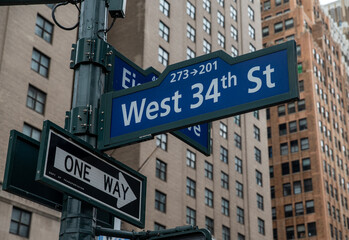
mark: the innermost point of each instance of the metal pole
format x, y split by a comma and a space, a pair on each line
78, 220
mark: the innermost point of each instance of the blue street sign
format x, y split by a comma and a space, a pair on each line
126, 74
203, 89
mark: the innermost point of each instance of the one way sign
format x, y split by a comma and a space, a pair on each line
71, 166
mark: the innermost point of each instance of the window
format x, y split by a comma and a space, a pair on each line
240, 215
297, 187
256, 114
31, 131
191, 159
241, 237
191, 186
238, 165
206, 25
163, 56
298, 50
304, 144
283, 149
20, 222
44, 29
209, 224
289, 232
40, 63
208, 197
272, 192
207, 5
225, 207
220, 19
190, 33
250, 13
221, 40
292, 127
291, 107
190, 53
301, 85
277, 2
301, 105
164, 31
265, 31
251, 31
270, 151
299, 209
287, 189
161, 141
252, 48
301, 231
237, 140
271, 171
306, 164
225, 233
257, 155
233, 13
278, 27
206, 47
285, 168
288, 210
224, 155
234, 33
224, 180
295, 166
308, 185
234, 51
191, 216
269, 132
311, 229
273, 213
208, 170
294, 146
237, 120
259, 178
239, 189
289, 23
165, 7
161, 169
266, 5
281, 110
190, 10
223, 130
160, 201
282, 129
261, 226
303, 125
256, 133
158, 226
36, 99
260, 201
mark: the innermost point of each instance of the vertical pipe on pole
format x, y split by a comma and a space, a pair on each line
78, 220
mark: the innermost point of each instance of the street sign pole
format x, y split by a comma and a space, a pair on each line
79, 218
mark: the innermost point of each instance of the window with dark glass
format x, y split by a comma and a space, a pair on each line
191, 187
292, 127
295, 166
40, 63
224, 155
224, 180
36, 99
239, 189
294, 146
303, 125
208, 197
240, 218
285, 168
287, 189
161, 169
299, 210
309, 206
20, 222
208, 170
282, 129
225, 207
308, 185
290, 233
160, 201
191, 216
209, 224
288, 210
44, 28
306, 164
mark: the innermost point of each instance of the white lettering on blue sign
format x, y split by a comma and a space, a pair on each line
258, 81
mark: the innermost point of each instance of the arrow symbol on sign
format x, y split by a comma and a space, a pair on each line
194, 72
119, 189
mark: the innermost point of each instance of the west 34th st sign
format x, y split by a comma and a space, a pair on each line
199, 90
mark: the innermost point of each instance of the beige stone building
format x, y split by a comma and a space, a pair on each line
227, 192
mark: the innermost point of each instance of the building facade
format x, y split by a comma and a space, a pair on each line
308, 143
34, 86
227, 192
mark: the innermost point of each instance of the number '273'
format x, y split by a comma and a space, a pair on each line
184, 74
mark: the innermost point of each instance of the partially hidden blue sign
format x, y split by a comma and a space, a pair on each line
127, 74
199, 90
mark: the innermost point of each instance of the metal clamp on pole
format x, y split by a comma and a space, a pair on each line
82, 120
93, 50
